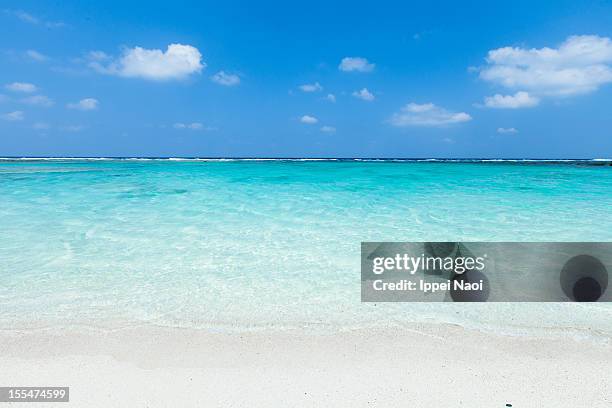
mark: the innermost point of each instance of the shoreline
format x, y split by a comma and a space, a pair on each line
108, 327
426, 365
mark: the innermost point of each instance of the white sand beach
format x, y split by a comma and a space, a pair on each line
425, 366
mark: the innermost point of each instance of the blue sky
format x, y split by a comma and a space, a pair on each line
390, 79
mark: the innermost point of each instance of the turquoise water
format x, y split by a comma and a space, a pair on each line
251, 244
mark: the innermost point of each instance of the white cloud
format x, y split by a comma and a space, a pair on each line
518, 100
427, 114
30, 19
36, 56
177, 62
39, 100
98, 56
223, 78
358, 64
309, 120
23, 16
21, 87
581, 64
190, 126
331, 97
311, 87
84, 104
13, 116
507, 130
364, 94
328, 129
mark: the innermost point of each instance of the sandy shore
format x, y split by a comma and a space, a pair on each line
427, 366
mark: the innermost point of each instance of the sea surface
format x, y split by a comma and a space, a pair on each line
229, 244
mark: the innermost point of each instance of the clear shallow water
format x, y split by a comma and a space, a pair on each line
248, 244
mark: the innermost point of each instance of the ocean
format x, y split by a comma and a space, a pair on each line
228, 244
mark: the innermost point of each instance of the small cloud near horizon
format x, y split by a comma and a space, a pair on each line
14, 116
316, 87
31, 19
36, 56
356, 64
427, 114
86, 104
38, 100
223, 78
364, 94
25, 87
190, 126
507, 130
309, 120
518, 100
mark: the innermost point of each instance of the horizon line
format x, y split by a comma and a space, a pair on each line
328, 158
